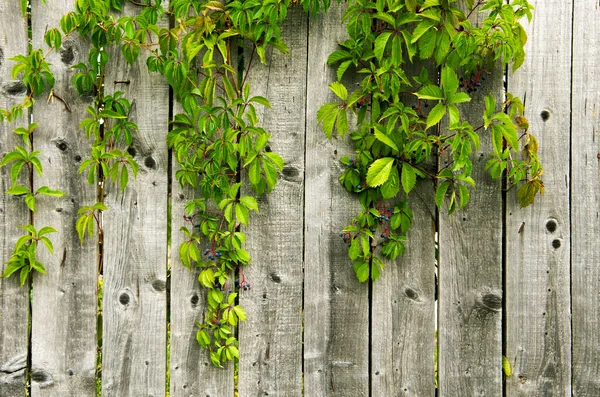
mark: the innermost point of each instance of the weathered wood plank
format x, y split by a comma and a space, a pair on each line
336, 305
403, 309
14, 301
135, 242
538, 330
470, 272
64, 301
585, 210
271, 339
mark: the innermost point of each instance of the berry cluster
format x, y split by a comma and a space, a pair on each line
347, 237
384, 216
474, 81
212, 254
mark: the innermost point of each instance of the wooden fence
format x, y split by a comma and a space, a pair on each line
500, 280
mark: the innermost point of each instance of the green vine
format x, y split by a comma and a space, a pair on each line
404, 122
221, 150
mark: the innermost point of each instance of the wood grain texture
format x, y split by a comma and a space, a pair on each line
585, 204
336, 305
192, 373
403, 309
271, 339
14, 301
135, 242
64, 301
538, 328
470, 271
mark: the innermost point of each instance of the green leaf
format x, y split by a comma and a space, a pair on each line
241, 214
249, 202
361, 268
30, 201
261, 100
276, 159
17, 190
339, 90
440, 193
45, 190
354, 250
379, 171
421, 29
449, 82
435, 115
506, 366
409, 177
380, 44
382, 137
432, 92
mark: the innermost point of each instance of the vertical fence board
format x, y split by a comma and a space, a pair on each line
271, 339
14, 301
470, 272
135, 241
403, 309
538, 237
64, 301
336, 305
585, 206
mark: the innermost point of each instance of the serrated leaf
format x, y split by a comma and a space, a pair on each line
339, 90
361, 268
431, 92
435, 115
241, 214
440, 193
380, 44
409, 177
249, 202
382, 137
449, 82
17, 190
379, 171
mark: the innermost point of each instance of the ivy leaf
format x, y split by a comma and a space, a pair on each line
17, 190
432, 92
361, 268
435, 115
506, 366
449, 82
382, 137
241, 214
440, 193
379, 171
249, 202
392, 186
339, 90
409, 177
380, 44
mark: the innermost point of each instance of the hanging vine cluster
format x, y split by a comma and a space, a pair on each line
220, 147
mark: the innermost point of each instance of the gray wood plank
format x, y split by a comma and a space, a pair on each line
14, 301
271, 339
64, 301
336, 305
538, 329
403, 309
470, 272
585, 210
135, 242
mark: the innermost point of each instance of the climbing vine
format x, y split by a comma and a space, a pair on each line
404, 121
221, 149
